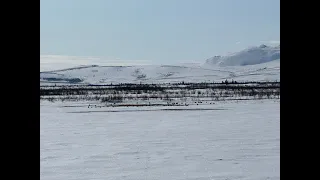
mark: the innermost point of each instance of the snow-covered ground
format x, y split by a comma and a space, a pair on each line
226, 140
260, 63
164, 74
249, 56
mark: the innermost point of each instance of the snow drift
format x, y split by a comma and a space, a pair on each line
249, 56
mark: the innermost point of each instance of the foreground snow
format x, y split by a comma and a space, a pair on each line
222, 141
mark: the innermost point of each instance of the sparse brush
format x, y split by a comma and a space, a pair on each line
165, 91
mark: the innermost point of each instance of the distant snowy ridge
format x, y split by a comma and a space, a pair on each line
253, 64
249, 56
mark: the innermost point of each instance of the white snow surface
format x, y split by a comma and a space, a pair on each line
238, 141
249, 56
253, 64
163, 74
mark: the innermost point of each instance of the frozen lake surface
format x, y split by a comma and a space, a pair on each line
223, 141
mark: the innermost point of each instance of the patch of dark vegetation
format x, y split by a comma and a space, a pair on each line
70, 80
117, 93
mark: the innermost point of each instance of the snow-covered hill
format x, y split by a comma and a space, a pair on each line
249, 56
254, 64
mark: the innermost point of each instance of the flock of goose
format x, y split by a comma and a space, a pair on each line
149, 104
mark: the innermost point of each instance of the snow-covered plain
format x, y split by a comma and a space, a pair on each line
223, 141
213, 140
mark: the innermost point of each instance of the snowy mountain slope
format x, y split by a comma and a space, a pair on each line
249, 56
163, 74
253, 64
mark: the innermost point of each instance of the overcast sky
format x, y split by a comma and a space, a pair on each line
153, 31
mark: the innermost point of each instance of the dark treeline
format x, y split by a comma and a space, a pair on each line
242, 87
189, 83
226, 82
